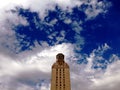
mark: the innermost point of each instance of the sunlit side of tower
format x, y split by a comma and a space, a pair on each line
60, 74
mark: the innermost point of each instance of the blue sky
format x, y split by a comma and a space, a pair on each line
33, 32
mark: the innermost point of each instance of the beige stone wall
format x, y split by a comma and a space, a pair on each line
60, 77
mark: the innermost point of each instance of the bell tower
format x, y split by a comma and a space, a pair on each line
60, 74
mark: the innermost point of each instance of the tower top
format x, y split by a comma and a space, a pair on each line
60, 56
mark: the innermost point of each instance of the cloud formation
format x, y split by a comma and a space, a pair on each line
84, 77
31, 72
31, 69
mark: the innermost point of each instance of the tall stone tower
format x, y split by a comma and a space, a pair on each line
60, 74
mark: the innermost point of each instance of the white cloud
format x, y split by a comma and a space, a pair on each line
110, 79
10, 3
94, 8
85, 78
17, 70
30, 69
8, 41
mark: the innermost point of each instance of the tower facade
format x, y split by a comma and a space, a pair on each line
60, 74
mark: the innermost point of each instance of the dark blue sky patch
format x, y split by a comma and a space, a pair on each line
28, 34
40, 30
103, 29
116, 5
96, 32
78, 14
